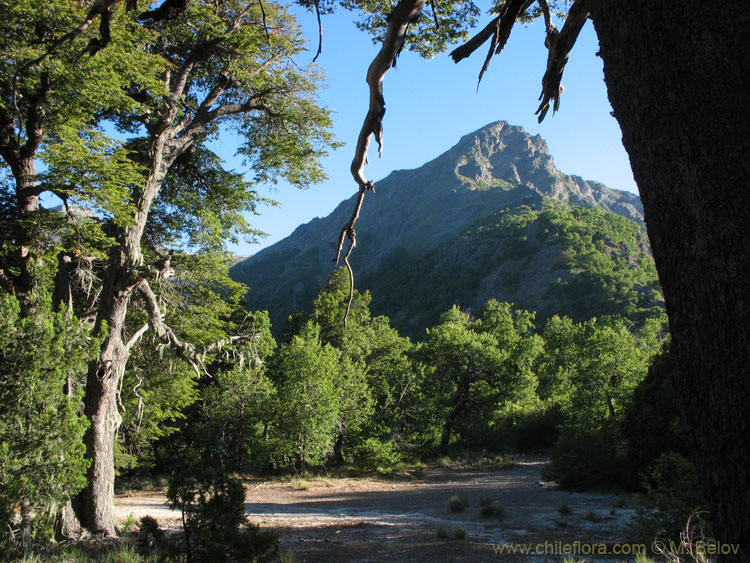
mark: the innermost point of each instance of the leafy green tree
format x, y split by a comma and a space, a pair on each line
206, 309
42, 462
170, 83
377, 373
477, 366
50, 93
168, 80
307, 401
594, 368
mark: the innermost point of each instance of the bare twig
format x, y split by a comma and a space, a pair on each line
265, 25
405, 12
435, 17
320, 31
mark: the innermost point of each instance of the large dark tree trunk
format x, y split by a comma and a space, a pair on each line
677, 76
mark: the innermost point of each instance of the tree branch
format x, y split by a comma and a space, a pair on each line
184, 350
136, 337
403, 14
316, 3
498, 29
559, 46
468, 48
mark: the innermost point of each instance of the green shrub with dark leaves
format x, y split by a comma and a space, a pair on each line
213, 515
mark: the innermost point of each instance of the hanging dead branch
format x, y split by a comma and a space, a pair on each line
498, 29
320, 31
406, 12
559, 44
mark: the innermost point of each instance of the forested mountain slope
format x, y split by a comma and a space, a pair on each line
490, 218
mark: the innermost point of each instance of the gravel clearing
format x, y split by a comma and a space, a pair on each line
373, 519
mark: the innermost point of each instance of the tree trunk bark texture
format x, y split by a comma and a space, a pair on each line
101, 408
105, 374
677, 77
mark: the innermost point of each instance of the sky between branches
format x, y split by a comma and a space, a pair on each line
430, 104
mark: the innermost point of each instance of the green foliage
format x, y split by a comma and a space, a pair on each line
306, 372
651, 424
215, 527
577, 261
205, 308
423, 36
672, 495
478, 367
376, 455
457, 503
41, 428
489, 508
585, 457
203, 206
79, 86
591, 370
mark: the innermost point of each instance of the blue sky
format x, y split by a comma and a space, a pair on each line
430, 104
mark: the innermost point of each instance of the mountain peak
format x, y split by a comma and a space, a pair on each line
500, 155
426, 210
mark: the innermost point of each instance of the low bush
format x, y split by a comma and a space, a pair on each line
215, 527
457, 503
672, 495
376, 455
585, 458
489, 508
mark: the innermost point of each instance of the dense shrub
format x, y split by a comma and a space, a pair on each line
376, 455
651, 425
672, 494
588, 457
213, 514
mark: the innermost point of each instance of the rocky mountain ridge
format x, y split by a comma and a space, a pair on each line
426, 212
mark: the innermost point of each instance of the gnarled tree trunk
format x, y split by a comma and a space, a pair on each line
677, 77
105, 373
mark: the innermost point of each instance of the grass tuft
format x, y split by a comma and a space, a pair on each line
563, 508
457, 503
489, 508
299, 484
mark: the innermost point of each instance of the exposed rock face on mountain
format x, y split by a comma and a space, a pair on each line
426, 224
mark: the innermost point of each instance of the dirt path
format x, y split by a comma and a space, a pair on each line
397, 519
